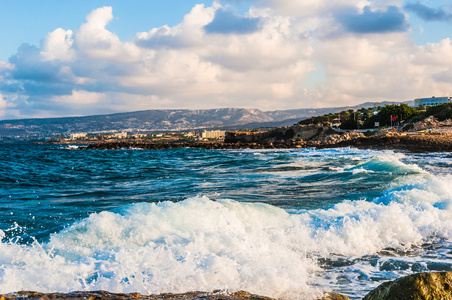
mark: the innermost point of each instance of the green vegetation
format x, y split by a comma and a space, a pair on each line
389, 115
347, 119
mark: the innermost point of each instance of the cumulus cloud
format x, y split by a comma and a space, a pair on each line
95, 41
209, 61
427, 13
189, 33
80, 98
2, 103
57, 45
5, 66
369, 21
181, 66
28, 65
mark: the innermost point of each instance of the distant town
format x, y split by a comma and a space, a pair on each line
192, 136
200, 125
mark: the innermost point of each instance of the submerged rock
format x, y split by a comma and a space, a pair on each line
436, 285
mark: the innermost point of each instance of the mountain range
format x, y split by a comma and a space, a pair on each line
163, 121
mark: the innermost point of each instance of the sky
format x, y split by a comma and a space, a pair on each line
85, 57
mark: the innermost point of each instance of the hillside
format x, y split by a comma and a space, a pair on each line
161, 120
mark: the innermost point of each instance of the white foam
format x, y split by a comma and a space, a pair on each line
199, 244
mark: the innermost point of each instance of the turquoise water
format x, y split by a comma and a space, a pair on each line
282, 223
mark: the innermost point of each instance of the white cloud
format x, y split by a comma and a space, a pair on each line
5, 66
438, 54
379, 68
187, 34
96, 42
57, 45
80, 98
2, 102
3, 105
90, 70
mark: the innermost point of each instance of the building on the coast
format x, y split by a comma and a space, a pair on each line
79, 136
120, 135
213, 134
431, 101
336, 123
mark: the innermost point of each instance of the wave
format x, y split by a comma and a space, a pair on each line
200, 244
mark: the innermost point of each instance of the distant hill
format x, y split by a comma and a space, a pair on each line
163, 120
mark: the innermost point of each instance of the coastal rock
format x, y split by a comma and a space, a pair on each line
437, 285
333, 296
104, 295
430, 122
289, 136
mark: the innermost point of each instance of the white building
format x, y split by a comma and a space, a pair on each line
213, 134
120, 135
431, 101
78, 136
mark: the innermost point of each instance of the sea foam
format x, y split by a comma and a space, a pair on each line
200, 244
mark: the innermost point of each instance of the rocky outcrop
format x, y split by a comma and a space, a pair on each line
430, 122
401, 141
311, 135
280, 134
433, 286
332, 139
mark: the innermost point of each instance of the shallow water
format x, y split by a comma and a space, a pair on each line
282, 223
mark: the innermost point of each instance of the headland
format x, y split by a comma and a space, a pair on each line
310, 136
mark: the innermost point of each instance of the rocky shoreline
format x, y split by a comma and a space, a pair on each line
416, 143
427, 285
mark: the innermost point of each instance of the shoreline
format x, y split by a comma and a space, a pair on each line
424, 285
413, 142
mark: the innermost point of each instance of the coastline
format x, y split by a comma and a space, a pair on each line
413, 142
424, 285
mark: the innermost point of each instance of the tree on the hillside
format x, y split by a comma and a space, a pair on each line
391, 114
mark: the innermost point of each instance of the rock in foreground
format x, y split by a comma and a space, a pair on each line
103, 295
437, 285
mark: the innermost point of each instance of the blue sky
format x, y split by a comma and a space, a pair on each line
64, 58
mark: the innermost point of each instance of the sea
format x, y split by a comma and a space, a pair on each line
289, 224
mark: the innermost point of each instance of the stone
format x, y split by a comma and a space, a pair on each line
435, 285
334, 296
104, 295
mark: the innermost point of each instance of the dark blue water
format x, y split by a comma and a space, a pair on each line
338, 219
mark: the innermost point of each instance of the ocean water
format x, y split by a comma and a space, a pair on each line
282, 223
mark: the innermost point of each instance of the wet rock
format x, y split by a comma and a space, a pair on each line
103, 295
333, 296
436, 285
